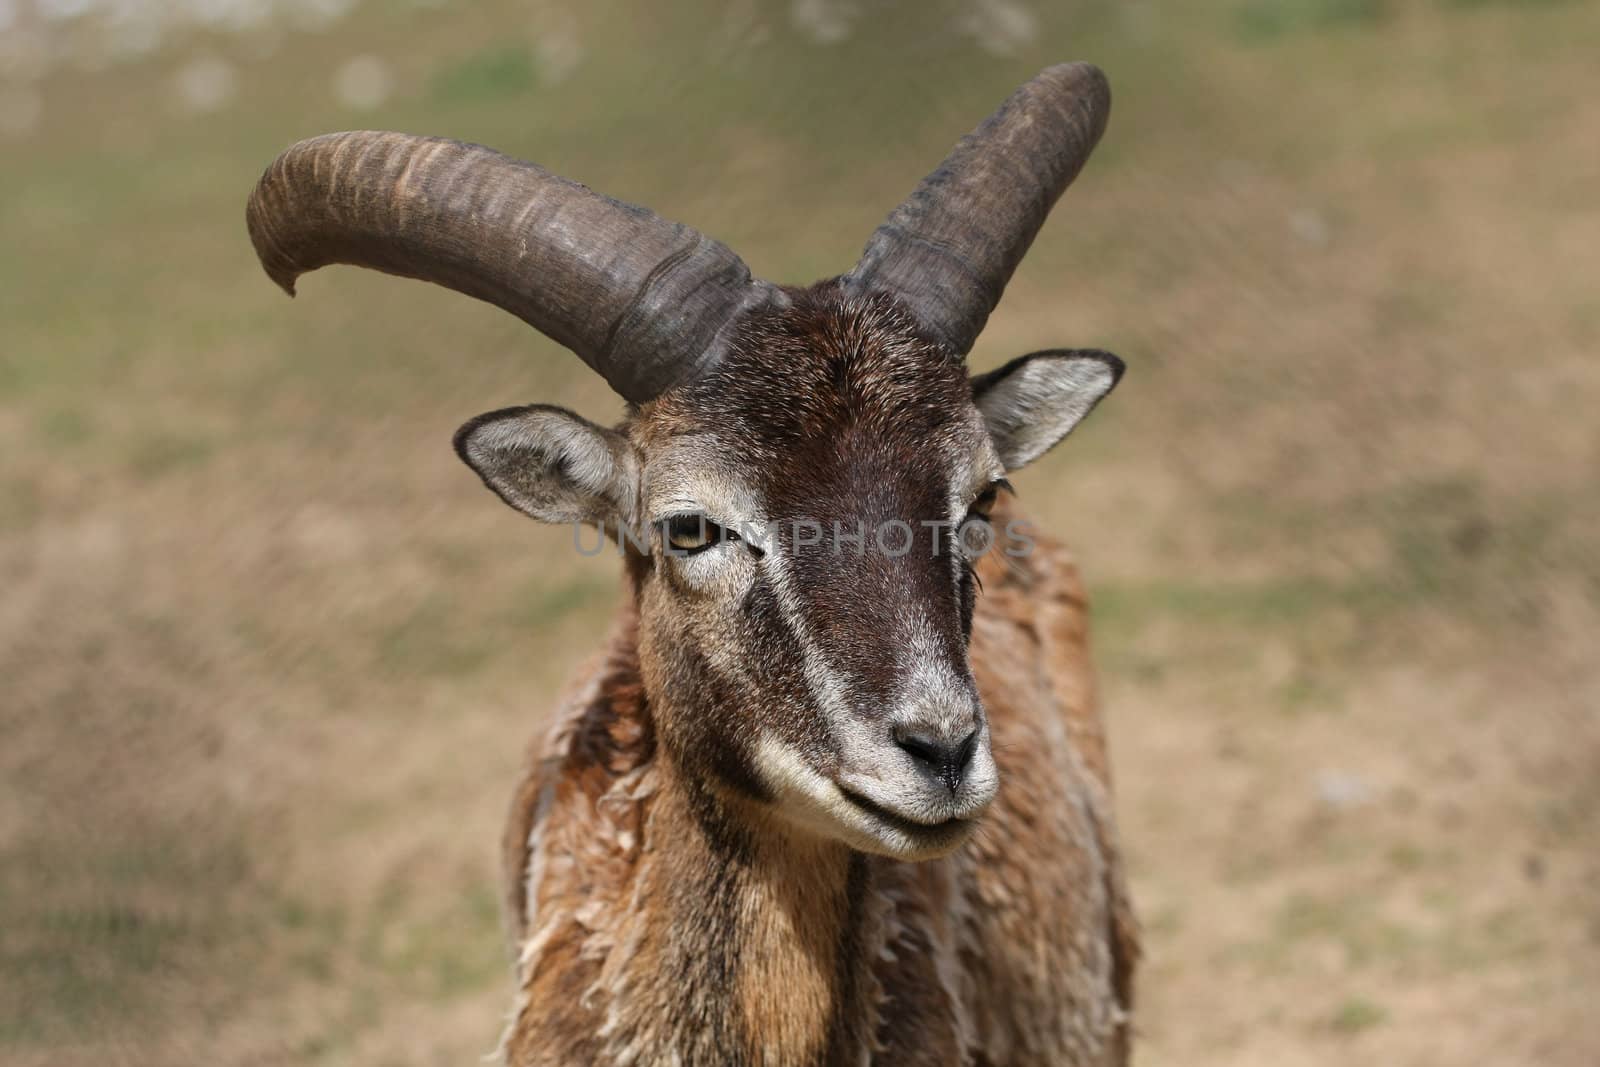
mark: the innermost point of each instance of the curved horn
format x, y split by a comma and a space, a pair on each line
948, 251
640, 299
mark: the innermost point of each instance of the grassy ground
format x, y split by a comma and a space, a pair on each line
267, 653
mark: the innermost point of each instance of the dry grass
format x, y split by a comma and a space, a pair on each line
267, 654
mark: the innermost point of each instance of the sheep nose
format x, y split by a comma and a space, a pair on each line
937, 755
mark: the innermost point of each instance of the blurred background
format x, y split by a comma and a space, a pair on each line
269, 654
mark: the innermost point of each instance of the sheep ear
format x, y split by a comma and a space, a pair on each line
1034, 401
553, 465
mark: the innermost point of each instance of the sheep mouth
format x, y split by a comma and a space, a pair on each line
909, 827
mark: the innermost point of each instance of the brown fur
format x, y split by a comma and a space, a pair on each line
1017, 949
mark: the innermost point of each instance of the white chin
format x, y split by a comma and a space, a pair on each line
812, 802
931, 843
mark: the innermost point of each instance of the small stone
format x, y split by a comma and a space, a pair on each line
1001, 27
321, 14
1310, 226
206, 84
237, 16
1342, 790
824, 21
557, 53
62, 10
363, 82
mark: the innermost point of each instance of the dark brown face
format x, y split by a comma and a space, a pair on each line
807, 587
804, 599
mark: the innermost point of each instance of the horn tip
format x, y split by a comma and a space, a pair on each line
283, 279
1076, 70
1080, 78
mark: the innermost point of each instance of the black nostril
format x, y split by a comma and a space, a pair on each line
945, 759
922, 746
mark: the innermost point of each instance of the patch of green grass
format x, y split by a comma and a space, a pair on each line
1264, 20
487, 76
1356, 1014
1413, 308
544, 603
1225, 622
1532, 4
1406, 857
1352, 921
1119, 606
1449, 940
433, 951
431, 640
164, 453
92, 932
1449, 545
1228, 621
64, 427
1307, 691
316, 931
21, 503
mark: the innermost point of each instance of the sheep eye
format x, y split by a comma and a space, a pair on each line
986, 500
689, 534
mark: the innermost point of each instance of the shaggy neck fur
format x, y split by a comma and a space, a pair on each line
772, 955
711, 932
660, 922
769, 955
